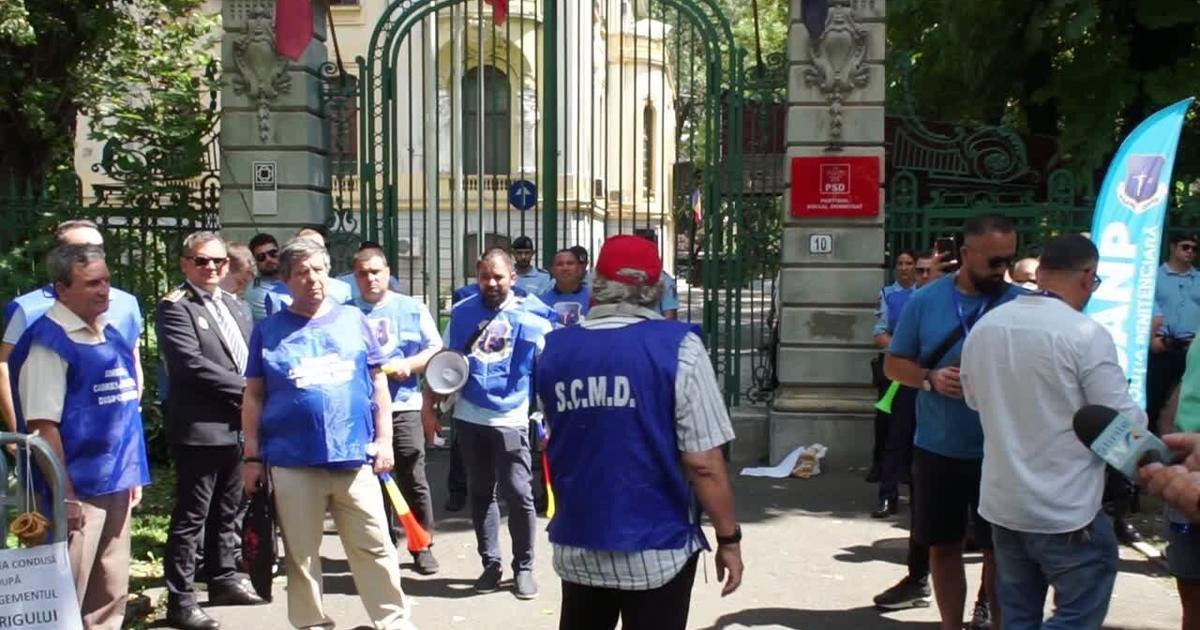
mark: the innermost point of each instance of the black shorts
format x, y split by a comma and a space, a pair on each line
945, 492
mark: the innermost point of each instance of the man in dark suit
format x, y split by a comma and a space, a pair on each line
203, 334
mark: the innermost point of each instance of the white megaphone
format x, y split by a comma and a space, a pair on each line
447, 372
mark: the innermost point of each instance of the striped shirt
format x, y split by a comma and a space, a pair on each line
701, 423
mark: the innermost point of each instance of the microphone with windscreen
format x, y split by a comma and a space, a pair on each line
1117, 440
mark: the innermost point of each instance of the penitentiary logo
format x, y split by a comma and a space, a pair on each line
1144, 187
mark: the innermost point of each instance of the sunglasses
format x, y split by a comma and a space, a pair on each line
263, 256
202, 261
1187, 247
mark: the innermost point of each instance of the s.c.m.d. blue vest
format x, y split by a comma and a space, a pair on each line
317, 387
895, 305
101, 424
124, 312
396, 324
609, 398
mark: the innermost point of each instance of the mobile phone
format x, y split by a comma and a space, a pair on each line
947, 250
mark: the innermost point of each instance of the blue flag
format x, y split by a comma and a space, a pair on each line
1127, 228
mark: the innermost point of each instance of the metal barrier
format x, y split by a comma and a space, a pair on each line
57, 481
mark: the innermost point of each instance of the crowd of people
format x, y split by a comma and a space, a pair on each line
988, 359
278, 377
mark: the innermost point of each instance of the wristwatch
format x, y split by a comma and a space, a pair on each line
732, 539
927, 382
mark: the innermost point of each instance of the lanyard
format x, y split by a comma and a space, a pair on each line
962, 317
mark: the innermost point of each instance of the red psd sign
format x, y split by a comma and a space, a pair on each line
835, 186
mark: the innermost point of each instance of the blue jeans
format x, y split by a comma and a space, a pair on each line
1081, 566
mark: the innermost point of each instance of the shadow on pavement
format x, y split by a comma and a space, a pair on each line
852, 619
441, 588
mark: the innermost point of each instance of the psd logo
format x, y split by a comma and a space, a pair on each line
1143, 188
835, 179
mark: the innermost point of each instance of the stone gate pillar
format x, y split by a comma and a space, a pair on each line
835, 97
271, 125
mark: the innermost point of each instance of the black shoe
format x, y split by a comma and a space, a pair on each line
425, 563
488, 581
1126, 533
239, 593
873, 474
525, 586
887, 507
456, 502
190, 618
981, 619
907, 593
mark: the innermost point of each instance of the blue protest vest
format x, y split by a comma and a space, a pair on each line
396, 323
124, 312
571, 308
317, 408
101, 425
501, 358
615, 466
895, 305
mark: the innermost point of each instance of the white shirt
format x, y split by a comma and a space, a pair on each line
42, 383
1027, 368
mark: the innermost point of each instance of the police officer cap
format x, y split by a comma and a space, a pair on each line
626, 251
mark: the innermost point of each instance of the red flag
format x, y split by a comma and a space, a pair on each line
293, 27
499, 10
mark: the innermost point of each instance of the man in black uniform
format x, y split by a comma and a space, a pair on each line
203, 334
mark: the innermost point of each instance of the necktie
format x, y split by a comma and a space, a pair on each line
231, 333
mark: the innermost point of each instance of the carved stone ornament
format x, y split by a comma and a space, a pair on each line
260, 72
838, 57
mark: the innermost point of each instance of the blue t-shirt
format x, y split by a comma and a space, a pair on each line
317, 390
535, 281
501, 358
571, 308
946, 426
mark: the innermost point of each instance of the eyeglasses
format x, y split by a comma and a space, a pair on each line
202, 261
263, 256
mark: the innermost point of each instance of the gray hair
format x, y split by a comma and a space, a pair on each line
298, 251
196, 239
605, 291
61, 261
239, 257
60, 232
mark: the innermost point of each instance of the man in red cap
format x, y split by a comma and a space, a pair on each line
629, 395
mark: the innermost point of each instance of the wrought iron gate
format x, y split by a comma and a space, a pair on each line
570, 121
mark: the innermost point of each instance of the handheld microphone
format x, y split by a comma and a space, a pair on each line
1117, 440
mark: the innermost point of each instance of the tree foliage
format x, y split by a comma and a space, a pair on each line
1083, 71
135, 62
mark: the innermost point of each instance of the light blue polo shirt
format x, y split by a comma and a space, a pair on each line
1177, 299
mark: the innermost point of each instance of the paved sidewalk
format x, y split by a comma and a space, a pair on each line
814, 560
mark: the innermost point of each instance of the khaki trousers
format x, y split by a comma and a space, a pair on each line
99, 553
302, 496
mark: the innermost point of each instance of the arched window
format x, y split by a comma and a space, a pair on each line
649, 126
496, 122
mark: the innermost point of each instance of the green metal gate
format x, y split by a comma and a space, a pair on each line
626, 116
